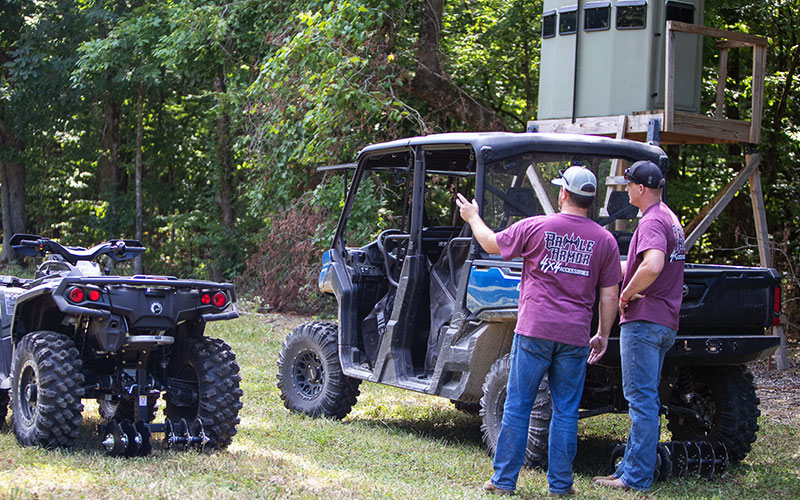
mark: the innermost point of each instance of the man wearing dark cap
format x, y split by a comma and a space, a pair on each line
649, 307
566, 257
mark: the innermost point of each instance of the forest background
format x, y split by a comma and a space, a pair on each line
197, 125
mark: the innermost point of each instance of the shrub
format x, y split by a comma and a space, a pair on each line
285, 264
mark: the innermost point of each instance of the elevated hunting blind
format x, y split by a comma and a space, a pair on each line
602, 58
633, 69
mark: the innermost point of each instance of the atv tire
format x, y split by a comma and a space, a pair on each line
209, 366
310, 375
494, 397
5, 398
725, 398
46, 390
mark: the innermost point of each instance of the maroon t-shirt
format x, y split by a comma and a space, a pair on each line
566, 257
658, 229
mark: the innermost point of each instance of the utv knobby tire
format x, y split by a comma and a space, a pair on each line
494, 397
5, 398
727, 398
46, 390
209, 365
310, 375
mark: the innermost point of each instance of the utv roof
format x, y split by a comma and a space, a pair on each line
499, 145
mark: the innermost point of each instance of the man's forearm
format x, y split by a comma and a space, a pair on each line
484, 235
645, 274
607, 309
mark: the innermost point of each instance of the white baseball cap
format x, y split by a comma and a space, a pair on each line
578, 180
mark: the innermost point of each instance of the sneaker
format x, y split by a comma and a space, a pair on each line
568, 493
612, 483
489, 487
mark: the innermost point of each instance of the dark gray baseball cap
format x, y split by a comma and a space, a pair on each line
646, 173
578, 180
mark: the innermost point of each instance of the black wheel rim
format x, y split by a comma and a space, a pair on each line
309, 374
28, 392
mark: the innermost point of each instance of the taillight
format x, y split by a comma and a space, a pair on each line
75, 294
220, 299
776, 307
205, 299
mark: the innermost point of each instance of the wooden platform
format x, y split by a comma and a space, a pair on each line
687, 128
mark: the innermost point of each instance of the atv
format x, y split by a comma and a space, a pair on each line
421, 306
73, 333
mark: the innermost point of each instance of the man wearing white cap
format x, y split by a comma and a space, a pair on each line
566, 257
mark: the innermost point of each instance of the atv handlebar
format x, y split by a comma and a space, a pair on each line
32, 245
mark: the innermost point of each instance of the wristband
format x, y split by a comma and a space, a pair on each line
623, 300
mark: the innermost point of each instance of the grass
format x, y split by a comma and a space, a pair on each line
394, 444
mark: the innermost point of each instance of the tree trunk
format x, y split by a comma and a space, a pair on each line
109, 149
12, 191
13, 205
432, 85
137, 264
225, 173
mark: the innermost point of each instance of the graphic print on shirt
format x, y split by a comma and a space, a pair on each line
565, 251
679, 253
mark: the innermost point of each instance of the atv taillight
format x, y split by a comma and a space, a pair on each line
94, 295
776, 307
205, 299
75, 294
220, 299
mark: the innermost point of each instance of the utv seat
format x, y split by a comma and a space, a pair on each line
445, 274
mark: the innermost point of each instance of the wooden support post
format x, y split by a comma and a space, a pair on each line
759, 72
707, 214
759, 212
545, 198
669, 83
616, 166
722, 78
781, 356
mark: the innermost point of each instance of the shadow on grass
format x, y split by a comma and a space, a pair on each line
593, 456
450, 426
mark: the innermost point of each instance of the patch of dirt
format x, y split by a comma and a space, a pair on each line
779, 391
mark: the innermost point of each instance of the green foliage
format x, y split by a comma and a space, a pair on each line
494, 53
253, 95
327, 90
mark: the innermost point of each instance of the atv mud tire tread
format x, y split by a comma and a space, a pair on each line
494, 397
334, 392
5, 399
732, 394
217, 372
53, 362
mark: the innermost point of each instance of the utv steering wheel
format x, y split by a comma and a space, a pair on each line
390, 260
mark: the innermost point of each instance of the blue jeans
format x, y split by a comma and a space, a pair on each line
642, 348
566, 367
